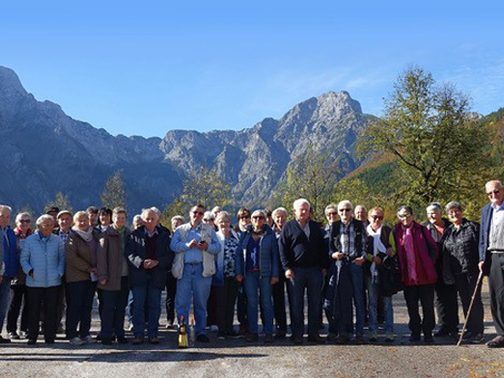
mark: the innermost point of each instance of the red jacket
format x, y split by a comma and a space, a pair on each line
426, 252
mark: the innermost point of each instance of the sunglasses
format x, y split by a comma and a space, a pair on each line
377, 217
403, 216
207, 220
344, 210
258, 217
197, 213
25, 221
496, 191
245, 217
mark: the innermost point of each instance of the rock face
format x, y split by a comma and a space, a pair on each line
45, 151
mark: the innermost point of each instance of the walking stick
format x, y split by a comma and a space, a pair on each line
480, 276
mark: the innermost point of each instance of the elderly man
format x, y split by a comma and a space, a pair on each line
303, 253
149, 258
10, 263
195, 245
491, 255
347, 249
65, 222
361, 214
446, 295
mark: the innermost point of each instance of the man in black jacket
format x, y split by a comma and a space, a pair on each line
304, 257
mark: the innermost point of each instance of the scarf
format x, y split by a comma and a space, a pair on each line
86, 235
377, 247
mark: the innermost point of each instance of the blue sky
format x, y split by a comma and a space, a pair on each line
143, 68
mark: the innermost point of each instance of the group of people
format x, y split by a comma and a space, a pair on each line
348, 269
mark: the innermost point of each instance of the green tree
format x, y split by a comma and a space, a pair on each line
204, 186
114, 194
60, 201
313, 177
438, 143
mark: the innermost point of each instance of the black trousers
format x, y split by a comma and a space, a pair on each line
466, 283
446, 306
171, 291
278, 293
113, 310
425, 295
226, 301
18, 301
79, 298
48, 297
496, 285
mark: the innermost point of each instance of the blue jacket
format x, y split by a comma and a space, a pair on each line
46, 257
10, 255
268, 254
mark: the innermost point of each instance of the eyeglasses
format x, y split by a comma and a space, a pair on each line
207, 220
496, 191
377, 217
344, 210
197, 213
403, 216
25, 221
245, 217
258, 217
332, 213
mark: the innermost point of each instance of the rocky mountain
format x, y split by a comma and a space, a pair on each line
46, 151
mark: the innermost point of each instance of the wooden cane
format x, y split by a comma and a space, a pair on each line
480, 276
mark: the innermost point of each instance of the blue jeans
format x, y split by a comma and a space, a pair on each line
114, 307
256, 287
373, 309
146, 296
5, 296
193, 286
311, 279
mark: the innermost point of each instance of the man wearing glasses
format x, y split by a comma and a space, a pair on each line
195, 245
347, 250
491, 251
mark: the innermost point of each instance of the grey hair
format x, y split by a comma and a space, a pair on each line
259, 212
405, 207
146, 212
345, 203
300, 201
177, 217
21, 215
156, 210
43, 218
5, 207
331, 206
223, 215
435, 206
209, 215
453, 205
279, 210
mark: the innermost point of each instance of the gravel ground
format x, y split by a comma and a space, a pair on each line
239, 359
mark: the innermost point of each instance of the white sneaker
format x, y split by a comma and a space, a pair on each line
88, 340
214, 328
76, 341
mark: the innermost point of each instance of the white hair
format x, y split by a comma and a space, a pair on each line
21, 215
345, 203
4, 208
146, 212
43, 218
279, 210
300, 201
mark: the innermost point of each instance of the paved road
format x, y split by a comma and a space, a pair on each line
239, 359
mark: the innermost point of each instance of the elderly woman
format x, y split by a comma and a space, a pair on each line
257, 265
382, 259
80, 275
243, 216
460, 266
417, 252
224, 280
43, 262
22, 231
113, 277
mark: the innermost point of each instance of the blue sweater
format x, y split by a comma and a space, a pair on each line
10, 255
268, 254
46, 257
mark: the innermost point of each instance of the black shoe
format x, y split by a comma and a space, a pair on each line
315, 339
32, 341
233, 334
280, 335
138, 340
443, 332
268, 339
496, 342
252, 338
122, 340
359, 340
49, 341
297, 340
342, 340
202, 338
153, 340
414, 337
106, 341
331, 338
428, 338
221, 336
4, 341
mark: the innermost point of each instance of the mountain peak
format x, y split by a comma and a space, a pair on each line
10, 85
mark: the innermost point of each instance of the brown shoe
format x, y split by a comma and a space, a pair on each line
496, 342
